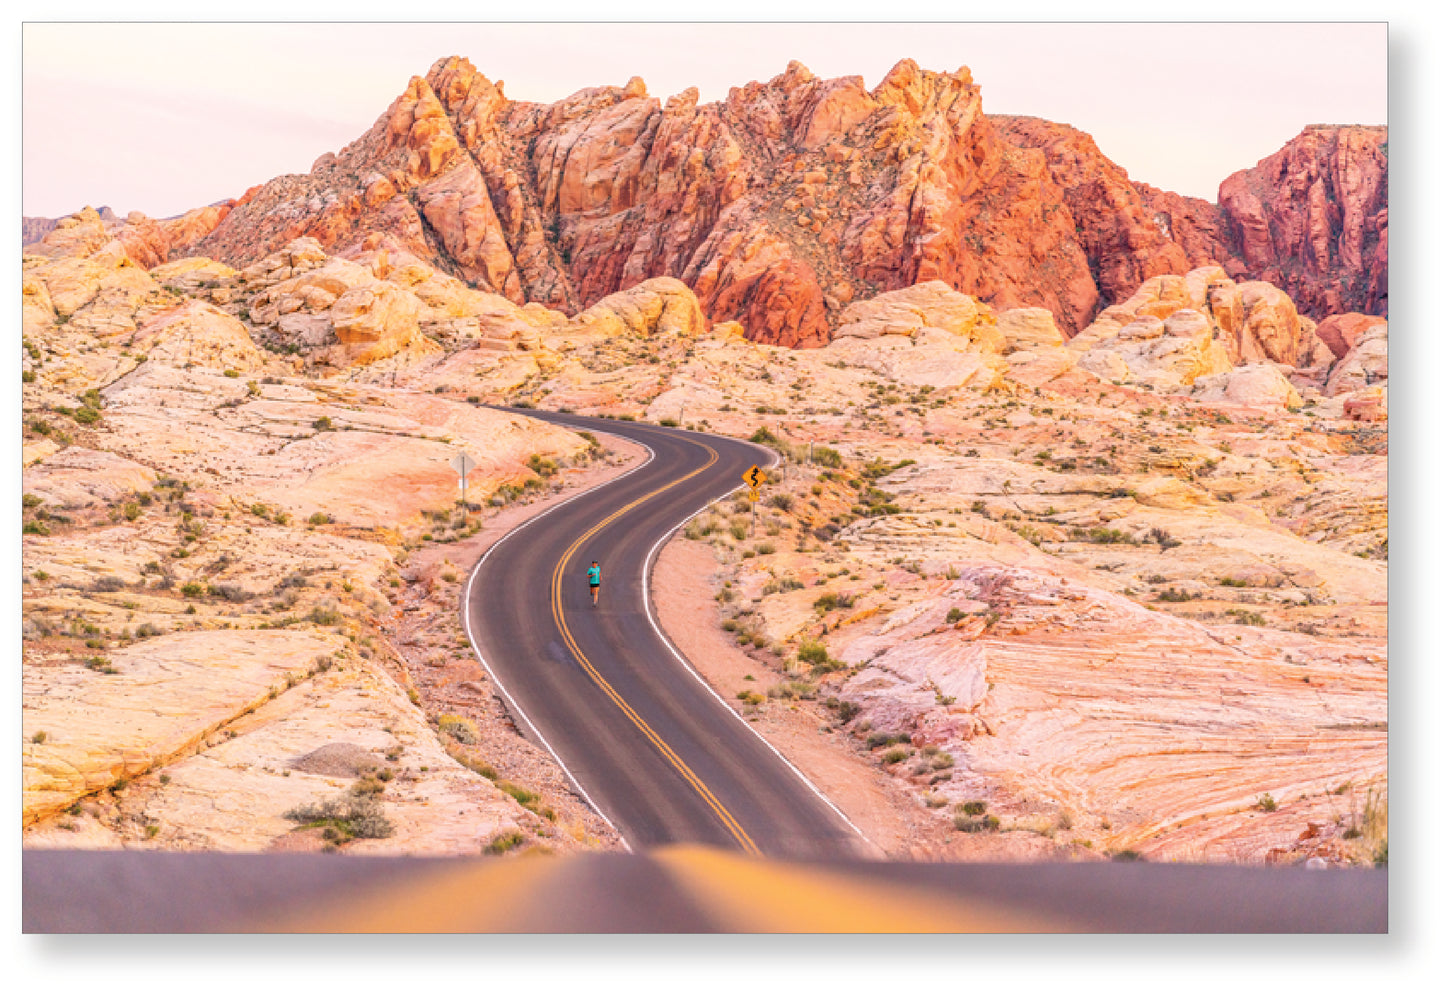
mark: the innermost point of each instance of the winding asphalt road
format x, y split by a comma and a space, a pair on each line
642, 736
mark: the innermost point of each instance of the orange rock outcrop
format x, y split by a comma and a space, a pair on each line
1313, 219
787, 199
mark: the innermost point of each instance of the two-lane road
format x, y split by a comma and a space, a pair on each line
639, 732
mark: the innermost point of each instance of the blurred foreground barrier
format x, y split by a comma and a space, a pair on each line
676, 889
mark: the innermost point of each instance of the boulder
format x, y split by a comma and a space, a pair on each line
905, 312
197, 333
1028, 328
1259, 385
662, 306
1368, 405
1342, 331
375, 322
1366, 364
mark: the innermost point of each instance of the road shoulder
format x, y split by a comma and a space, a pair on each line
683, 585
449, 679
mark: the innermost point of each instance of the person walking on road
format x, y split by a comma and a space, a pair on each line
594, 581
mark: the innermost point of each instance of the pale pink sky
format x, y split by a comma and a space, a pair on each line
165, 117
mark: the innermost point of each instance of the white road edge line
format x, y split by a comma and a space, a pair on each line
467, 623
690, 669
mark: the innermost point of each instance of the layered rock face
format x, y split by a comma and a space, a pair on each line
778, 205
1131, 232
1313, 219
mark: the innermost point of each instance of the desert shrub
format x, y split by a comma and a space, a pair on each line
895, 755
781, 501
793, 690
876, 740
192, 590
844, 710
327, 612
99, 664
525, 798
1174, 595
1105, 535
107, 583
471, 763
368, 784
230, 593
976, 824
954, 615
1163, 539
343, 819
1266, 803
319, 519
459, 728
322, 423
974, 808
827, 457
505, 842
814, 652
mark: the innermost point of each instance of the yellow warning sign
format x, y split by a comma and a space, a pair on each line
753, 476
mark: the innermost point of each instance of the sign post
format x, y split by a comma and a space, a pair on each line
463, 464
754, 477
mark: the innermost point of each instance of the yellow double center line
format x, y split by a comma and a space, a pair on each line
740, 834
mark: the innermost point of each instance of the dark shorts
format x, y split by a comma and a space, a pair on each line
594, 584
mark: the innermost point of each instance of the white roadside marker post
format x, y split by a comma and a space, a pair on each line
463, 464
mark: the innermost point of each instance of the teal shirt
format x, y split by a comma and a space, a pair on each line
594, 575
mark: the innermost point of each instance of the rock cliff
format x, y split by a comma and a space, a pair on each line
785, 201
1313, 219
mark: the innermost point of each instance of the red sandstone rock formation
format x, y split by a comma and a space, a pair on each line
777, 205
1312, 219
1129, 232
